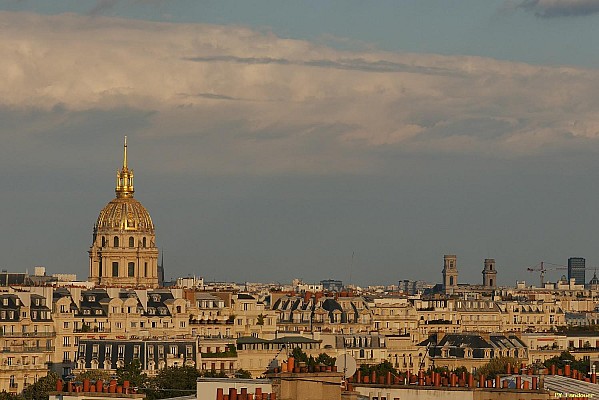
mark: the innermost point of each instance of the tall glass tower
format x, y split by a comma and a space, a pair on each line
576, 268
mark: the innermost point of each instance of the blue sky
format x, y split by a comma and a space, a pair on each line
271, 140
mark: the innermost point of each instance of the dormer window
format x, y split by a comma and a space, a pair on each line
91, 298
5, 301
86, 312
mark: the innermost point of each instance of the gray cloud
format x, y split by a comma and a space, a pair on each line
560, 8
341, 64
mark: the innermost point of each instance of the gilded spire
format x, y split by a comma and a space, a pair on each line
125, 155
124, 178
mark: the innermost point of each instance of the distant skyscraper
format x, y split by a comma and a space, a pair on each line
576, 268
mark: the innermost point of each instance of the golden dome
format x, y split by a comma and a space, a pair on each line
124, 214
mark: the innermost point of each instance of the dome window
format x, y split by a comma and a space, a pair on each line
116, 241
131, 241
103, 241
144, 242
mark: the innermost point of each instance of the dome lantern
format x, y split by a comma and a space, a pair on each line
124, 178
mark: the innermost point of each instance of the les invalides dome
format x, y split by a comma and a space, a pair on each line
124, 252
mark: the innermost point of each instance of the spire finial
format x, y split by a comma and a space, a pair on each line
124, 177
125, 155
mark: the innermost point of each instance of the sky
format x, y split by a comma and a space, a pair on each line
273, 140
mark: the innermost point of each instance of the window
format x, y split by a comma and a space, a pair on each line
131, 241
143, 242
131, 269
115, 241
103, 241
65, 325
66, 356
145, 269
66, 341
115, 268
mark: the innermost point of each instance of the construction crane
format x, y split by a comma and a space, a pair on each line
541, 269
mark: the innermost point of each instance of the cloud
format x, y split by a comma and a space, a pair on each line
560, 8
102, 6
239, 100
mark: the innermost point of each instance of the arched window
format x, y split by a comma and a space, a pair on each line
115, 241
491, 282
451, 281
103, 241
115, 268
144, 242
131, 241
131, 269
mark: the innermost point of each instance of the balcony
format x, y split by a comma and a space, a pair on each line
26, 334
27, 349
438, 322
24, 367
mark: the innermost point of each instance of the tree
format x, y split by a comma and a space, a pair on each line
566, 358
174, 382
260, 320
4, 395
93, 375
39, 390
497, 366
133, 373
243, 374
380, 369
323, 358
